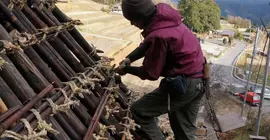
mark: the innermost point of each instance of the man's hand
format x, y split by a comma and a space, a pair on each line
125, 62
120, 70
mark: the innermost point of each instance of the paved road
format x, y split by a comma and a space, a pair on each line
223, 66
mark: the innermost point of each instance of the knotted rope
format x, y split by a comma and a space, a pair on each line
24, 39
113, 90
131, 124
98, 137
20, 4
42, 124
94, 51
128, 135
45, 32
110, 111
75, 89
63, 107
9, 46
96, 73
32, 135
2, 62
49, 3
89, 81
103, 129
111, 99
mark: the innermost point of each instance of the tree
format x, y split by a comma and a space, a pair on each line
250, 30
225, 41
239, 22
200, 15
238, 36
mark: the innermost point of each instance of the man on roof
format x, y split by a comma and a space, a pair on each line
172, 51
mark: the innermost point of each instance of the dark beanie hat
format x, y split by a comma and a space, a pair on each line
137, 9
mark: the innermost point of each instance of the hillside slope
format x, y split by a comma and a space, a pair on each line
107, 31
250, 9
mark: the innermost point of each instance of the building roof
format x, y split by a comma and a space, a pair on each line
227, 33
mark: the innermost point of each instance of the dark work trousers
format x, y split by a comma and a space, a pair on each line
184, 108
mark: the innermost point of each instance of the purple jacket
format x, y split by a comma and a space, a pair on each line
173, 48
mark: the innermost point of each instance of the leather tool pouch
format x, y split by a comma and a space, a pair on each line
206, 79
174, 84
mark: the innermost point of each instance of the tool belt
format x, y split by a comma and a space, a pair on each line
176, 84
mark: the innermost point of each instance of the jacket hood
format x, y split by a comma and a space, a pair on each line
165, 17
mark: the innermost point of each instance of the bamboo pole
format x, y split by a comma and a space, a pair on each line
65, 36
3, 107
15, 81
98, 112
31, 28
9, 121
9, 98
25, 66
56, 98
30, 52
73, 62
82, 113
57, 43
75, 33
62, 135
46, 53
8, 113
75, 123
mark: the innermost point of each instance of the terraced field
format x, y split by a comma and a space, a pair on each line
110, 32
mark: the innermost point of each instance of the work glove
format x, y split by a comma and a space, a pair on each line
125, 62
120, 70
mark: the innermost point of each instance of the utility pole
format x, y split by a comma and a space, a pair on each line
263, 90
249, 73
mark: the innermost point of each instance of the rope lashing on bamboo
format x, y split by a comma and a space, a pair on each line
82, 81
75, 89
32, 135
128, 135
2, 63
62, 107
9, 47
71, 24
111, 99
86, 81
89, 81
131, 124
96, 73
94, 51
24, 39
110, 111
104, 128
113, 90
104, 65
42, 124
49, 3
98, 137
44, 32
20, 4
63, 92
